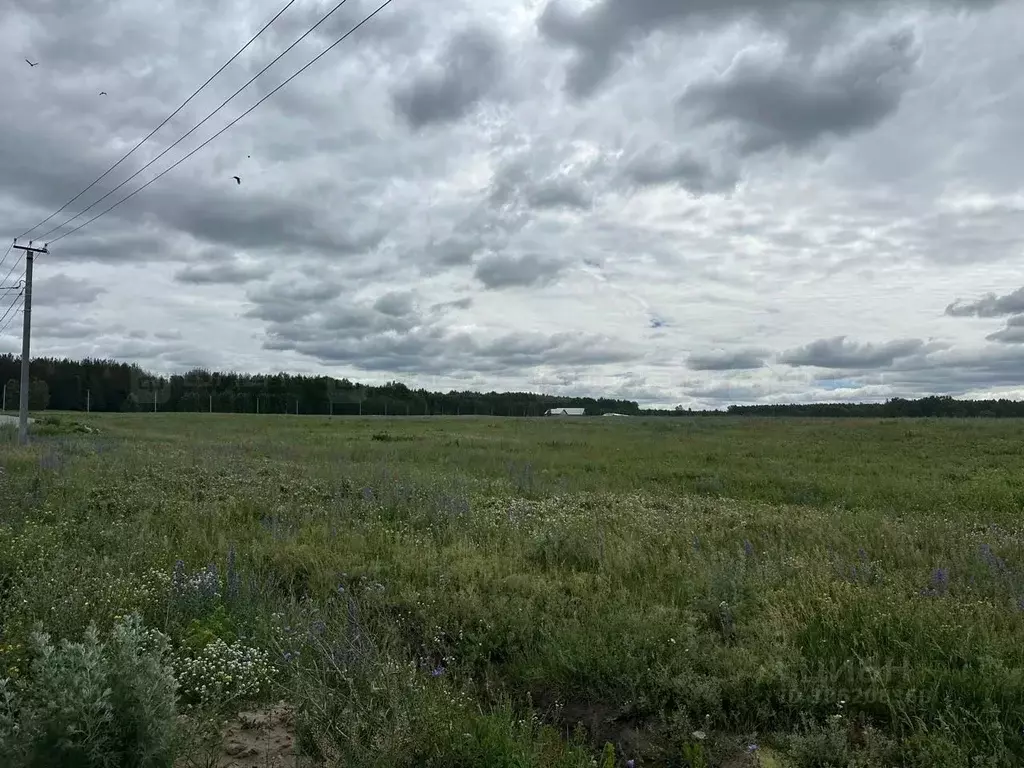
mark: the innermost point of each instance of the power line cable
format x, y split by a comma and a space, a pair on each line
8, 253
166, 120
226, 127
8, 312
13, 267
201, 122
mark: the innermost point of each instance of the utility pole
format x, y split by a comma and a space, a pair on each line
26, 337
88, 401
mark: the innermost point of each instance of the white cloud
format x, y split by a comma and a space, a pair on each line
619, 205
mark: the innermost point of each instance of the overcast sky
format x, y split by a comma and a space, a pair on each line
696, 202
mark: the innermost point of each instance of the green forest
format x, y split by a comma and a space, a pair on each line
108, 385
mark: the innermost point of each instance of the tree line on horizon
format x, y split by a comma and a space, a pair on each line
932, 406
108, 385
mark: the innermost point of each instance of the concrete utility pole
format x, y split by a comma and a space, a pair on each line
26, 337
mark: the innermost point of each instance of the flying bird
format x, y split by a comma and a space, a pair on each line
30, 63
103, 93
238, 180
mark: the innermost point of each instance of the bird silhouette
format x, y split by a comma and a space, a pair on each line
103, 93
30, 63
237, 179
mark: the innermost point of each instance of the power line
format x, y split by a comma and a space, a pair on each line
229, 125
166, 120
13, 267
201, 122
9, 249
8, 312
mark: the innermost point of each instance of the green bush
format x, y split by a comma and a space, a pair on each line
91, 703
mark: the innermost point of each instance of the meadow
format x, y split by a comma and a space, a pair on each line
512, 592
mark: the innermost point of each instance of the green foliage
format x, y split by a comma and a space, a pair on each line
203, 631
694, 755
38, 390
92, 703
563, 577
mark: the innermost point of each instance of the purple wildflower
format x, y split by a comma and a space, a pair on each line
939, 583
631, 763
696, 544
437, 671
752, 748
748, 549
994, 562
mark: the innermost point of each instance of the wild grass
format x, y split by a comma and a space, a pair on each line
476, 592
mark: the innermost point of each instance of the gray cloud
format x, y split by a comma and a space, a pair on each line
434, 351
467, 70
463, 303
1013, 333
522, 183
60, 290
739, 360
64, 328
608, 29
788, 104
659, 165
838, 352
231, 272
989, 305
498, 271
396, 303
559, 193
286, 302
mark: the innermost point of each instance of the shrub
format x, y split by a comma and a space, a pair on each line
91, 703
222, 673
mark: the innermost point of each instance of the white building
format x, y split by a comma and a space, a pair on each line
566, 412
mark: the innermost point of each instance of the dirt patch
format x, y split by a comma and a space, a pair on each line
263, 738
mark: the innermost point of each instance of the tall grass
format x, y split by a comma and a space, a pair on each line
491, 592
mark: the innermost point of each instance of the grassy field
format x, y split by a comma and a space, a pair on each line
483, 592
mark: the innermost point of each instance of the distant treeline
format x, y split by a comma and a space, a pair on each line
106, 385
897, 407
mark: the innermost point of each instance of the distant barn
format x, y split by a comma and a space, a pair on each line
566, 412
